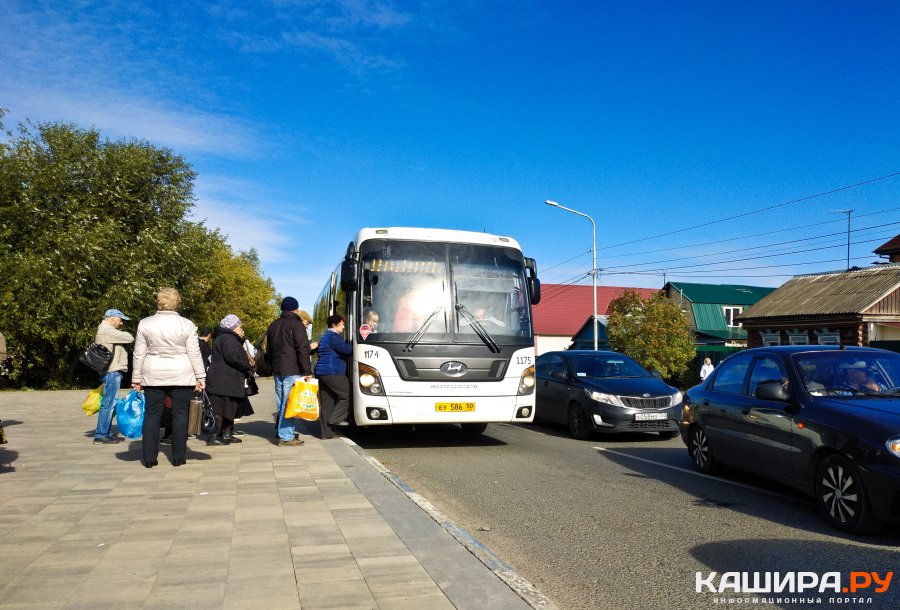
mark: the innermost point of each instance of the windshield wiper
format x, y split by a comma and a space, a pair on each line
478, 328
419, 333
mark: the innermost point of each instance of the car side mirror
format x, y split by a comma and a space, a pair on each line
559, 375
772, 390
656, 374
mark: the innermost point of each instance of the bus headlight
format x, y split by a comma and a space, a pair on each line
526, 381
370, 380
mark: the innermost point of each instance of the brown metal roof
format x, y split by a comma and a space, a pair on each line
889, 247
843, 292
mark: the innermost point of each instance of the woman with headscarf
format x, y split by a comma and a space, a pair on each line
227, 373
167, 363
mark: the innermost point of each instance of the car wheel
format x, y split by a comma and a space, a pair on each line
578, 424
842, 498
698, 449
473, 428
668, 434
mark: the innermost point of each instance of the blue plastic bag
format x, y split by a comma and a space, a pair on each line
130, 414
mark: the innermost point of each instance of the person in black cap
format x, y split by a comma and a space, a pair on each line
110, 335
288, 349
204, 335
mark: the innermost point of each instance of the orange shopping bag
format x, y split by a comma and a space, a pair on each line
303, 401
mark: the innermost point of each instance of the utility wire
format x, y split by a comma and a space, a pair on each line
733, 239
841, 234
740, 260
766, 209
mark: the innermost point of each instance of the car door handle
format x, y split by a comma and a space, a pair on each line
705, 402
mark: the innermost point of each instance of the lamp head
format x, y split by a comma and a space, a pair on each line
553, 203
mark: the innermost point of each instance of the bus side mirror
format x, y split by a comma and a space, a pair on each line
349, 275
534, 289
534, 284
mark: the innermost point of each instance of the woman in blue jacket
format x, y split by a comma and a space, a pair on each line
331, 371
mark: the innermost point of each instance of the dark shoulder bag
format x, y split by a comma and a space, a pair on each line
96, 357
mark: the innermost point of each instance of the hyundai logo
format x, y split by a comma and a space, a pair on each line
646, 395
454, 369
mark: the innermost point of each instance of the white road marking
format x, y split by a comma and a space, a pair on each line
699, 474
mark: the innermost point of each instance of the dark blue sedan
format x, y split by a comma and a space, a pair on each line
604, 391
823, 419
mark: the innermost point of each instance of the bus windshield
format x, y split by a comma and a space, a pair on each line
446, 292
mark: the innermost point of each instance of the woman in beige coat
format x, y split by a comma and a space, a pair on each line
167, 362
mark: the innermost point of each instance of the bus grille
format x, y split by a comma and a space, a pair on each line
637, 402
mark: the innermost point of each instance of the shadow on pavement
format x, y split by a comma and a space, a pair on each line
418, 436
7, 457
560, 431
784, 505
133, 452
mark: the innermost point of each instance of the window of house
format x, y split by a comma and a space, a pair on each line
798, 337
730, 314
828, 337
770, 337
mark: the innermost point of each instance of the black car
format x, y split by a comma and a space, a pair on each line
824, 419
604, 391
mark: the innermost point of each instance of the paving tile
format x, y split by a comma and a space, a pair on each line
130, 593
346, 595
197, 596
324, 563
39, 588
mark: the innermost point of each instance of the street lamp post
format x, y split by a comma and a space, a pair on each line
594, 263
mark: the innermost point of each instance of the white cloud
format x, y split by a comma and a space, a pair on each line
249, 216
118, 115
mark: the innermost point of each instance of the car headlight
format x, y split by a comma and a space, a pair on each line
526, 381
893, 445
370, 380
609, 399
677, 398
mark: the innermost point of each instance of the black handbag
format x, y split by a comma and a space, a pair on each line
96, 357
250, 385
208, 422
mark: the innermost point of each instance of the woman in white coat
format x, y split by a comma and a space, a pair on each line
167, 362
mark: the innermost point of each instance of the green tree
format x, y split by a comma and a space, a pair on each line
230, 283
87, 224
654, 332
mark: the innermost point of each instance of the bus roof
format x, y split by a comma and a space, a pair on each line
436, 235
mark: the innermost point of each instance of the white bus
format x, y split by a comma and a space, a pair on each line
441, 327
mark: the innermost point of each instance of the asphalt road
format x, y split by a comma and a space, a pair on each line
621, 521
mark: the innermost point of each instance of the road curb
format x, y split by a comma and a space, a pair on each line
520, 586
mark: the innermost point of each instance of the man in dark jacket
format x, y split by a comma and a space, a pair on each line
288, 350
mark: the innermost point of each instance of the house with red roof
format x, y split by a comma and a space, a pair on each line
564, 309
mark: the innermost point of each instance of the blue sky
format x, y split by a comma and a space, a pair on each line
307, 120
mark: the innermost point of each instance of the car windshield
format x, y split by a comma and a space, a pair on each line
850, 373
606, 365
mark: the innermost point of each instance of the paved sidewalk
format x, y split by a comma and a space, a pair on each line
239, 526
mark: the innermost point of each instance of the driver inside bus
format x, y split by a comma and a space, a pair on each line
414, 307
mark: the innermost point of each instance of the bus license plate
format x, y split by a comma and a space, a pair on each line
650, 416
453, 407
